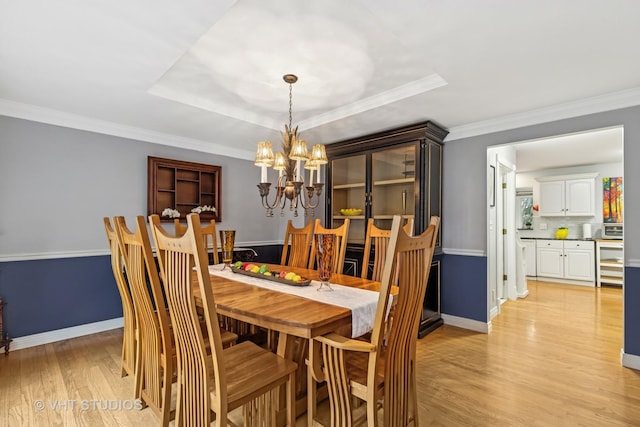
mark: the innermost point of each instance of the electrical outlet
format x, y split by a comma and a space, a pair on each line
543, 226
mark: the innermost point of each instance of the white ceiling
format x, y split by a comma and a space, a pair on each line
579, 149
207, 75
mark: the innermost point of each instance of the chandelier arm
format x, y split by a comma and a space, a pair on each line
263, 188
306, 198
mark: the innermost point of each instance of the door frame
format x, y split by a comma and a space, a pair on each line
500, 168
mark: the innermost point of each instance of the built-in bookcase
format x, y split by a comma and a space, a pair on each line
183, 186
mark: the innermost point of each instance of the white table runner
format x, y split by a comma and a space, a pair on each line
361, 302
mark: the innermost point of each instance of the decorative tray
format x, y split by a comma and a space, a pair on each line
273, 278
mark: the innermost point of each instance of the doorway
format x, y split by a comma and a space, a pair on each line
588, 150
501, 247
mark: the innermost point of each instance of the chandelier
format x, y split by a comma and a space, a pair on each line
290, 185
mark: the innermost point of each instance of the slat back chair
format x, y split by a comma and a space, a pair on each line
130, 334
378, 240
156, 349
341, 234
390, 361
243, 375
297, 245
209, 236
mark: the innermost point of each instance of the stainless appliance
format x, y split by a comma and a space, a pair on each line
612, 231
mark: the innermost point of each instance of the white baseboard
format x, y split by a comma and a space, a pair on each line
464, 323
66, 333
567, 281
493, 313
629, 360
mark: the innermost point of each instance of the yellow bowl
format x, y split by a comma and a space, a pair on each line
351, 212
562, 233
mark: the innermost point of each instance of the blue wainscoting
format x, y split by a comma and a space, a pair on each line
50, 294
631, 313
464, 286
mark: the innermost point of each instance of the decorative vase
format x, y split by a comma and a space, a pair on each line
325, 244
562, 233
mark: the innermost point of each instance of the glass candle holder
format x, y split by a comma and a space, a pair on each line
325, 250
227, 240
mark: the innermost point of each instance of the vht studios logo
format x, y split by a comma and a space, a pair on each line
88, 405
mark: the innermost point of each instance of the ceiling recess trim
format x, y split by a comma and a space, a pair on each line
410, 89
607, 102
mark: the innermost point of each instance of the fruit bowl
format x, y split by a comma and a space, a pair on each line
263, 272
351, 211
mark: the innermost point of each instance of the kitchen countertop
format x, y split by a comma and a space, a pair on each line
553, 238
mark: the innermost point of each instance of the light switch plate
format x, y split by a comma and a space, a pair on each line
543, 226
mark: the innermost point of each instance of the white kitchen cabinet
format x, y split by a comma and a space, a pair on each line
530, 256
567, 197
609, 262
568, 259
579, 260
550, 259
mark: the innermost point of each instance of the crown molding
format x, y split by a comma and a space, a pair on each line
596, 104
74, 121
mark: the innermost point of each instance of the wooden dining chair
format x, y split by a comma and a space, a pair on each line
341, 234
377, 240
243, 375
381, 371
155, 352
297, 245
210, 239
130, 333
209, 235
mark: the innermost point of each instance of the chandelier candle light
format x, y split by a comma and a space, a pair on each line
288, 163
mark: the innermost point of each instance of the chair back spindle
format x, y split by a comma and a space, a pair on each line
129, 339
156, 348
391, 350
297, 245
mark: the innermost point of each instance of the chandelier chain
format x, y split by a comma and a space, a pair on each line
290, 103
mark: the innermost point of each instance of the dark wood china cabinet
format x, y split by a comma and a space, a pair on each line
396, 172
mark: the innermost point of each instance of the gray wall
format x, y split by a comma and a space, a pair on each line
57, 183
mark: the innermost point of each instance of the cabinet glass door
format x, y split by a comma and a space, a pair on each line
393, 173
348, 195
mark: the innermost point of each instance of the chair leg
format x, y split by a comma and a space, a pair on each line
311, 398
414, 398
291, 399
137, 383
165, 399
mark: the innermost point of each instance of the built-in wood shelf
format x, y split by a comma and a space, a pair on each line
183, 186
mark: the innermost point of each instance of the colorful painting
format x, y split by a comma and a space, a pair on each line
612, 200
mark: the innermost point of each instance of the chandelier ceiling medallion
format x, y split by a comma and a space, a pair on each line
290, 184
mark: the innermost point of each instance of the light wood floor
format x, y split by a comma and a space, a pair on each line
552, 359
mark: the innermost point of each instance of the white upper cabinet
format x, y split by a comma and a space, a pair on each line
567, 196
552, 198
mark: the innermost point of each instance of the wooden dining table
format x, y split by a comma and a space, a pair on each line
292, 317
